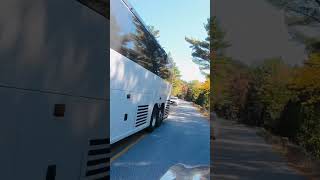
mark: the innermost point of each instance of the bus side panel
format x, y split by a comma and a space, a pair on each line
34, 138
164, 90
121, 114
125, 112
53, 45
127, 77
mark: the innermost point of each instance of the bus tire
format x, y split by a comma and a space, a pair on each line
153, 120
160, 117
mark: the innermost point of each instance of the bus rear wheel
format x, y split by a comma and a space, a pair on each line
153, 120
160, 117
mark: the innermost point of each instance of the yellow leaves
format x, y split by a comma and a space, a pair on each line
195, 87
205, 86
306, 81
202, 86
177, 87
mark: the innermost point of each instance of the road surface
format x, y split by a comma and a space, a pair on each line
184, 137
240, 154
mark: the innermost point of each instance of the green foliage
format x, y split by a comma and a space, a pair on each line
154, 31
291, 120
229, 87
306, 86
213, 43
298, 13
193, 91
199, 92
305, 11
282, 98
274, 94
176, 81
216, 37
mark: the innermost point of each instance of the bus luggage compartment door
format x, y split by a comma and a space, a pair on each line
124, 109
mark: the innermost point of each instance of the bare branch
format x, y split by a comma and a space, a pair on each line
304, 13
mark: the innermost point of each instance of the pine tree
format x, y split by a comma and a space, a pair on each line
205, 51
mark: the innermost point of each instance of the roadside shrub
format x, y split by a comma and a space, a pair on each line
290, 120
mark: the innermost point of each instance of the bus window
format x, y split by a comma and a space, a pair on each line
131, 39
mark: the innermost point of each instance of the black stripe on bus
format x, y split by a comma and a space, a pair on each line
94, 142
141, 118
137, 122
143, 105
142, 111
144, 108
141, 115
97, 161
97, 171
144, 122
99, 151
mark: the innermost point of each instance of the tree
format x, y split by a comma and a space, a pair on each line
306, 86
220, 65
274, 94
306, 82
177, 83
214, 43
194, 87
300, 13
154, 31
238, 88
203, 98
305, 11
229, 88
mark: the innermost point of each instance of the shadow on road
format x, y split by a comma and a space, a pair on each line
182, 138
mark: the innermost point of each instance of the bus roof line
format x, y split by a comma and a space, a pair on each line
134, 12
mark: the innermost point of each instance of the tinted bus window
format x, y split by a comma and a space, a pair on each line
127, 35
165, 68
121, 30
131, 39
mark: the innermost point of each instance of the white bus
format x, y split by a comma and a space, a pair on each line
54, 72
140, 74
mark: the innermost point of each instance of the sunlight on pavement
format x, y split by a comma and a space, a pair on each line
182, 171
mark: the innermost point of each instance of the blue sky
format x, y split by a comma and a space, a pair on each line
176, 19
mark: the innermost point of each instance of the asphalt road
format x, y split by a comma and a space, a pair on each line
182, 138
240, 154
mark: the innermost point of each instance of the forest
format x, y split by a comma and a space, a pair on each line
194, 91
280, 97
